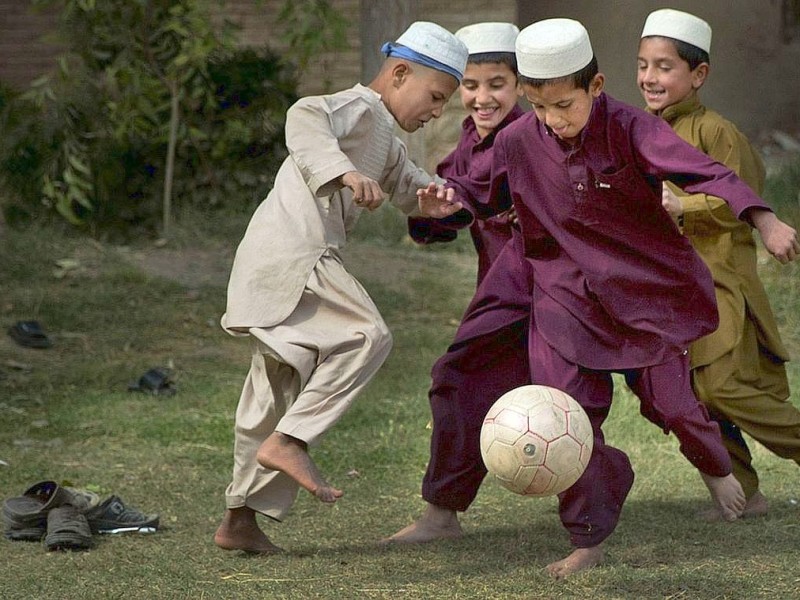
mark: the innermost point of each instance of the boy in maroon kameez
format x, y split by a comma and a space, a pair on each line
489, 354
617, 288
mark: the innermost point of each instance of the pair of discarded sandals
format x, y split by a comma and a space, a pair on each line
67, 517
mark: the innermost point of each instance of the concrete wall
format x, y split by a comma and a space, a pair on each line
755, 77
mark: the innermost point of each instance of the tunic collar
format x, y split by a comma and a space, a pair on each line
686, 106
368, 91
471, 131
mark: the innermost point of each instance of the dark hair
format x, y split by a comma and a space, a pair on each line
687, 52
501, 58
580, 79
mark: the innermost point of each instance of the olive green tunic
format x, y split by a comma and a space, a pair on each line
738, 370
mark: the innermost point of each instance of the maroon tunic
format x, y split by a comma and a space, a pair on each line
616, 284
472, 159
616, 287
489, 355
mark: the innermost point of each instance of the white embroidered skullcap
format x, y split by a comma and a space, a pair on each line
435, 42
553, 48
489, 37
679, 26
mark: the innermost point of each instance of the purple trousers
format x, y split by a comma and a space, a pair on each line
488, 357
590, 509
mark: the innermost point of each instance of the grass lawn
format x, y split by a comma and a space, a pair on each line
113, 312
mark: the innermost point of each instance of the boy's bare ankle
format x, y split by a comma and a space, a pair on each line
579, 560
436, 523
756, 506
439, 517
240, 531
281, 452
727, 494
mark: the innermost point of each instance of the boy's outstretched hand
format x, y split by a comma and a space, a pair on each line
437, 202
367, 193
779, 238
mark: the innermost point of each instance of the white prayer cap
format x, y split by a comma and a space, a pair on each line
679, 26
553, 48
489, 37
435, 42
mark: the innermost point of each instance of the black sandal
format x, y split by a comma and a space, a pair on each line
29, 334
156, 381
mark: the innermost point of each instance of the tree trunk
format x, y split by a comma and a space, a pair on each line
169, 171
382, 21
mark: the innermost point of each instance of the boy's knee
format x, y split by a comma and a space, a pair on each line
384, 339
378, 338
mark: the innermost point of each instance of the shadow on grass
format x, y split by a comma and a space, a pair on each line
650, 533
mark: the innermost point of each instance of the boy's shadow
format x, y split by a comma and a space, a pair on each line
651, 534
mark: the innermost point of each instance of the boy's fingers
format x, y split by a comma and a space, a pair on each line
448, 209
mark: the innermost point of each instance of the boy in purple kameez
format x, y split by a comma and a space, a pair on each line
489, 94
489, 354
617, 288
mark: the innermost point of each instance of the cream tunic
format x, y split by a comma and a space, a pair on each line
308, 212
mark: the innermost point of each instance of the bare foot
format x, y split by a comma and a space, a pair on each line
727, 494
756, 506
580, 559
436, 523
239, 531
281, 452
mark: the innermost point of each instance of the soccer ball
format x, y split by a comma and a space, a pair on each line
536, 440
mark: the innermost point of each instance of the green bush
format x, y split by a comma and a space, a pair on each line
90, 140
22, 152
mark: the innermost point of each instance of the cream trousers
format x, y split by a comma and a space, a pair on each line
304, 375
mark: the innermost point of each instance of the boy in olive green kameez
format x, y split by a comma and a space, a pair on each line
738, 371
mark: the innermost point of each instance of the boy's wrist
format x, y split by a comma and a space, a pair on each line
760, 217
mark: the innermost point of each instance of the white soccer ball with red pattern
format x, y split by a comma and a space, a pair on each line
536, 440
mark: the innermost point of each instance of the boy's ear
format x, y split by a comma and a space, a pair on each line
400, 73
597, 85
699, 75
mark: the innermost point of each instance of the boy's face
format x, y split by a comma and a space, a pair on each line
418, 94
663, 77
564, 108
489, 91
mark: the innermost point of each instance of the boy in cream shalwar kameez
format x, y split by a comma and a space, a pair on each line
317, 338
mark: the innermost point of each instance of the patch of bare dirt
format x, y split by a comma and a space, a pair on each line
192, 267
390, 267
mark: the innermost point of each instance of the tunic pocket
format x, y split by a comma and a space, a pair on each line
620, 197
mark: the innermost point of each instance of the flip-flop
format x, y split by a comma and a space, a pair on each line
29, 334
67, 529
